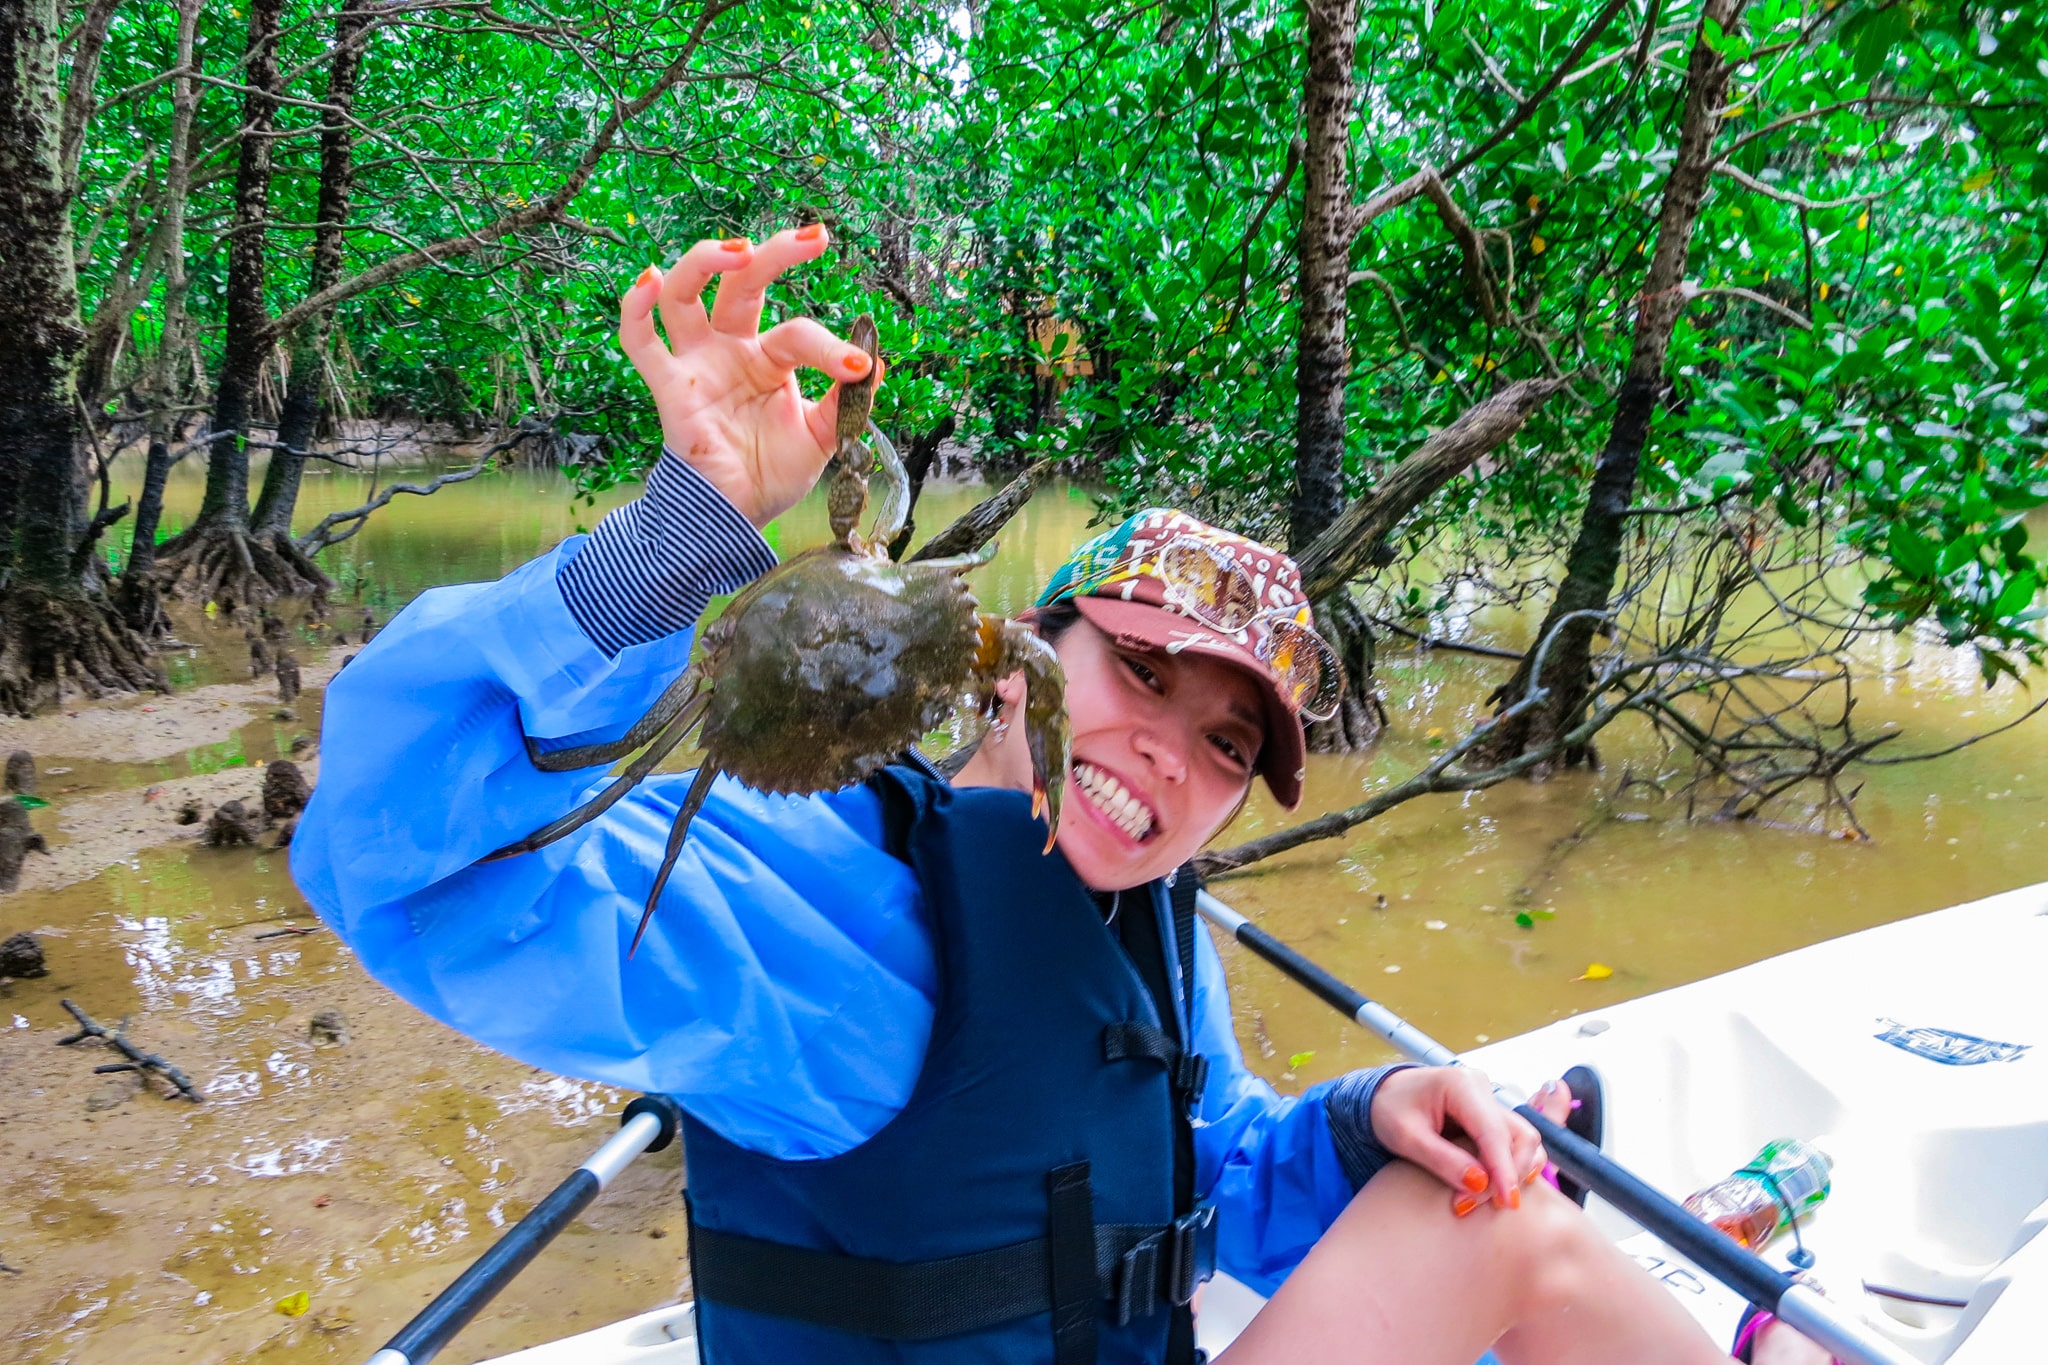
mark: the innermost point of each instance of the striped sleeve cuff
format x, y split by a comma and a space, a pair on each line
1349, 1106
652, 565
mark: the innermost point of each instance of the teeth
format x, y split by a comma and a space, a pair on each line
1114, 800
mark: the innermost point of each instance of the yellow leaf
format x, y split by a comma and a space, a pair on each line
213, 608
295, 1305
1598, 971
1538, 246
1863, 220
1898, 270
817, 161
1441, 375
1735, 111
1735, 213
1823, 292
1980, 180
413, 299
631, 218
1535, 203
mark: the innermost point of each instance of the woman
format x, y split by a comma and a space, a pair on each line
948, 1096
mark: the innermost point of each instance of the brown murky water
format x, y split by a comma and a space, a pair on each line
367, 1174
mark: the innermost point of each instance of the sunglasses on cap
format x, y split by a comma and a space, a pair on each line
1205, 584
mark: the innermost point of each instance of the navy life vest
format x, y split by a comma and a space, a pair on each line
1032, 1203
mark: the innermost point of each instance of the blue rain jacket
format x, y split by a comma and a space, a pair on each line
784, 993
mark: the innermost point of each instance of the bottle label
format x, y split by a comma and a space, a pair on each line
1797, 1176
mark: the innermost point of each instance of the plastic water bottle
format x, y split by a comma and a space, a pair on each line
1787, 1178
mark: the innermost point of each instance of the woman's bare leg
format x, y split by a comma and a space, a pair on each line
1399, 1281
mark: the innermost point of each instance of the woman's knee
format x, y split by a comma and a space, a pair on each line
1554, 1248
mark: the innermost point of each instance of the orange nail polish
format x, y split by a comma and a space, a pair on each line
1514, 1199
1463, 1205
810, 232
646, 276
1475, 1179
734, 244
857, 362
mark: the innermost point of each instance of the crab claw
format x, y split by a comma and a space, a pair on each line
1046, 736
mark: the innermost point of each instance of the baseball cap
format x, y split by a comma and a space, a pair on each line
1167, 580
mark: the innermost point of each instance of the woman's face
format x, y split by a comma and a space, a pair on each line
1164, 748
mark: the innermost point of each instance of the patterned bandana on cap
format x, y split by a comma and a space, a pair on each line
1168, 581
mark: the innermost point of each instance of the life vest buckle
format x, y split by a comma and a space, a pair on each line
1168, 1267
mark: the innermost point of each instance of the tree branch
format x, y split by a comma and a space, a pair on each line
541, 211
980, 523
1344, 551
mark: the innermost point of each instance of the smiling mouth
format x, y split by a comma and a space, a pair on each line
1117, 803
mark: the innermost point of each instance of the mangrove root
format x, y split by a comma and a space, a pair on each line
18, 839
147, 1063
58, 645
287, 677
233, 825
21, 772
285, 792
21, 957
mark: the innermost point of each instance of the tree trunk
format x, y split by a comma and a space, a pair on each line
301, 415
140, 595
1323, 358
217, 559
1323, 362
57, 626
1596, 554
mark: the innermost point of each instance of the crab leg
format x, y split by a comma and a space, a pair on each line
1007, 646
895, 481
673, 699
847, 495
679, 831
679, 725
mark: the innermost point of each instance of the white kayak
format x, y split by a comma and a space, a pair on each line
1915, 1053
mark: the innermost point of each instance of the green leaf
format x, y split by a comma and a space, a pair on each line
1300, 1060
28, 802
1914, 556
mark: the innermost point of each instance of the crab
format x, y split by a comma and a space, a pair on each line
832, 665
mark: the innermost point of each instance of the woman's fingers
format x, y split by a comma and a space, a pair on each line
1491, 1130
802, 343
682, 294
737, 310
636, 325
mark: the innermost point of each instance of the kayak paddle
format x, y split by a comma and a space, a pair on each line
1773, 1290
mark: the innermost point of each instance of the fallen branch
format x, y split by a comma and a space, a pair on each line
979, 524
1438, 775
288, 933
1432, 642
320, 537
1345, 551
138, 1060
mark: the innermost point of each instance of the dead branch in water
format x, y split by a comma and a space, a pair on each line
979, 524
1735, 650
325, 534
147, 1063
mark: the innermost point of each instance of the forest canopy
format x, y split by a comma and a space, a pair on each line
1761, 275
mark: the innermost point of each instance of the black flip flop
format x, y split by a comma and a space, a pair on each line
1587, 1119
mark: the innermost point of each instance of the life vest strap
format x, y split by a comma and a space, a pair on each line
1186, 1072
1139, 1268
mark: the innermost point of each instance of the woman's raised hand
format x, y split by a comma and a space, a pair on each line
727, 391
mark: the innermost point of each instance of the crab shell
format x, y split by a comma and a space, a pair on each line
832, 665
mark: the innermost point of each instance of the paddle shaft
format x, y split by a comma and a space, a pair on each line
648, 1124
1722, 1257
